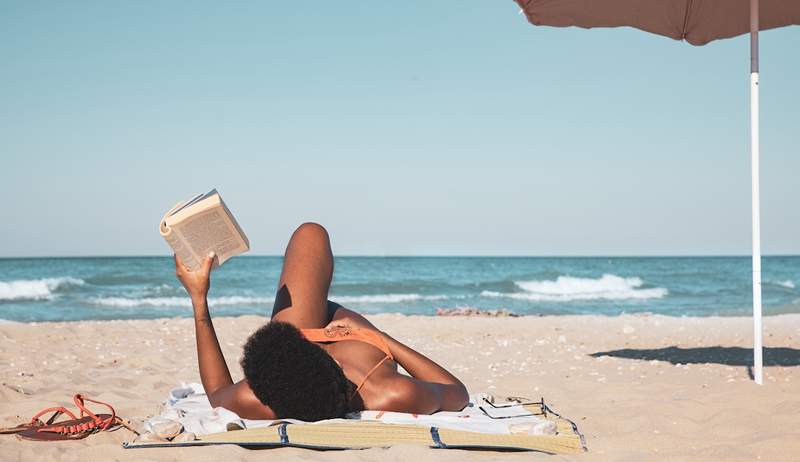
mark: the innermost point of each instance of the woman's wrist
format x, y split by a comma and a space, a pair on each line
199, 297
199, 303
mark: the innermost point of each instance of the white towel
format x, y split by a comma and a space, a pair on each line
189, 405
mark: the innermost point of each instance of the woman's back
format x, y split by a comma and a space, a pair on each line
366, 366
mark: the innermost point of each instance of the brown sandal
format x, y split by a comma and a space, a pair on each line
74, 429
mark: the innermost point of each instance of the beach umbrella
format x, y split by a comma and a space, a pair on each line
697, 22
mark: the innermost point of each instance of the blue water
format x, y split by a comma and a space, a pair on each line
39, 289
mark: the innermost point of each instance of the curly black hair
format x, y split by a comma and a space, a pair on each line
293, 376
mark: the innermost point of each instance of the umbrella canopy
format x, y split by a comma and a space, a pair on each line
696, 21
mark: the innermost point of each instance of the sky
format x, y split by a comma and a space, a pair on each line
406, 128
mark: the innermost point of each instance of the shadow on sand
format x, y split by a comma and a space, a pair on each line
729, 356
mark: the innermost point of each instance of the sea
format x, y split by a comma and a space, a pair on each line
59, 289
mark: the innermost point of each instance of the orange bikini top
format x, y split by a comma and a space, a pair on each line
338, 334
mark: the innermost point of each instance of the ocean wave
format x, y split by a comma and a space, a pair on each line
125, 302
787, 284
567, 288
163, 290
35, 289
386, 298
128, 302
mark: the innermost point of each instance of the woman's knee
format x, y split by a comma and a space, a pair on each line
310, 230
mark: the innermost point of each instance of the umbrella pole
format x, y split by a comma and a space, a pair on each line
754, 158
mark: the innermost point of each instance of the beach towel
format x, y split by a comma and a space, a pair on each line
487, 422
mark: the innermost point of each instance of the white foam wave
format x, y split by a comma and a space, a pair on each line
787, 283
386, 298
567, 288
35, 289
125, 302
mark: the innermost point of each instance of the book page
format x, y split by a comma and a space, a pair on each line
243, 241
179, 246
211, 230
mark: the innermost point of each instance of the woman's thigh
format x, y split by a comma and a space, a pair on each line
302, 297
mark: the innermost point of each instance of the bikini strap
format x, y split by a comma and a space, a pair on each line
364, 380
337, 334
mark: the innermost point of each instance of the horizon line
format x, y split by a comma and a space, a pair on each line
426, 256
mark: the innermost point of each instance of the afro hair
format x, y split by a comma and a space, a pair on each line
293, 376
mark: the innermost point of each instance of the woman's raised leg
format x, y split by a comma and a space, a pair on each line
302, 297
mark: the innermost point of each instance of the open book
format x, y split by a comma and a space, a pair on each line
195, 227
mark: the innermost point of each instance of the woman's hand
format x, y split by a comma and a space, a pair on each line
195, 282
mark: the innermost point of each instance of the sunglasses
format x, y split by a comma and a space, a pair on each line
511, 408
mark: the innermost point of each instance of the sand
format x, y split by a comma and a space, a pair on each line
679, 390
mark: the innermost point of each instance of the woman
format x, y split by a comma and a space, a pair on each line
315, 359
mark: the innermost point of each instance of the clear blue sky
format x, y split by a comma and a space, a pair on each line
405, 127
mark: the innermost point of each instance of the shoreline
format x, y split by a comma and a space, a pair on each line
430, 316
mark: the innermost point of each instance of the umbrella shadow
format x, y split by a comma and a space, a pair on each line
728, 356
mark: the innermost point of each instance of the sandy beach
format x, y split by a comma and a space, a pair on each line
639, 387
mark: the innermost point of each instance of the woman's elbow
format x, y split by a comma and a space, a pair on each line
220, 397
215, 400
464, 397
458, 398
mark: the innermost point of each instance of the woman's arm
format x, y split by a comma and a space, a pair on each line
435, 389
214, 371
419, 365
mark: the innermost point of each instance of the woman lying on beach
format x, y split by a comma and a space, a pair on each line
296, 366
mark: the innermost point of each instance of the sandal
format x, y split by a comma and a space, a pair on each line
73, 429
36, 422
